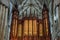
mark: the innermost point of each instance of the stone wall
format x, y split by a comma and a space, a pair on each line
6, 2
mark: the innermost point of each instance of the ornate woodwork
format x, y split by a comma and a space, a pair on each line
14, 24
46, 23
30, 28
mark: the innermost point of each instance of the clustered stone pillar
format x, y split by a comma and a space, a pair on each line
3, 21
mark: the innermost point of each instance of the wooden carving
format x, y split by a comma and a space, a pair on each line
46, 23
30, 28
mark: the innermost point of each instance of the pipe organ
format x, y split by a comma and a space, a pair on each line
30, 28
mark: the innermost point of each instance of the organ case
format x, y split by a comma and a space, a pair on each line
46, 25
30, 28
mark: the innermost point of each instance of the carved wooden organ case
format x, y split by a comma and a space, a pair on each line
30, 28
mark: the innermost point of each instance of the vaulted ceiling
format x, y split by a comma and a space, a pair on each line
40, 1
6, 2
24, 6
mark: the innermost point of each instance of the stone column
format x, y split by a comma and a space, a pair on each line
2, 22
6, 25
59, 17
0, 19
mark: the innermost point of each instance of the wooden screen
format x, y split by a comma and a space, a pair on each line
14, 25
47, 27
25, 28
14, 29
30, 27
34, 27
47, 30
40, 29
46, 24
19, 30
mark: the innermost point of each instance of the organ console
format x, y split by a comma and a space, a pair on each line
30, 28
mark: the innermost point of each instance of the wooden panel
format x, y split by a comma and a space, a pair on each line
13, 39
44, 28
14, 24
40, 29
41, 38
34, 27
19, 38
46, 23
35, 38
47, 27
16, 28
13, 27
30, 37
47, 38
25, 38
19, 30
25, 31
30, 27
